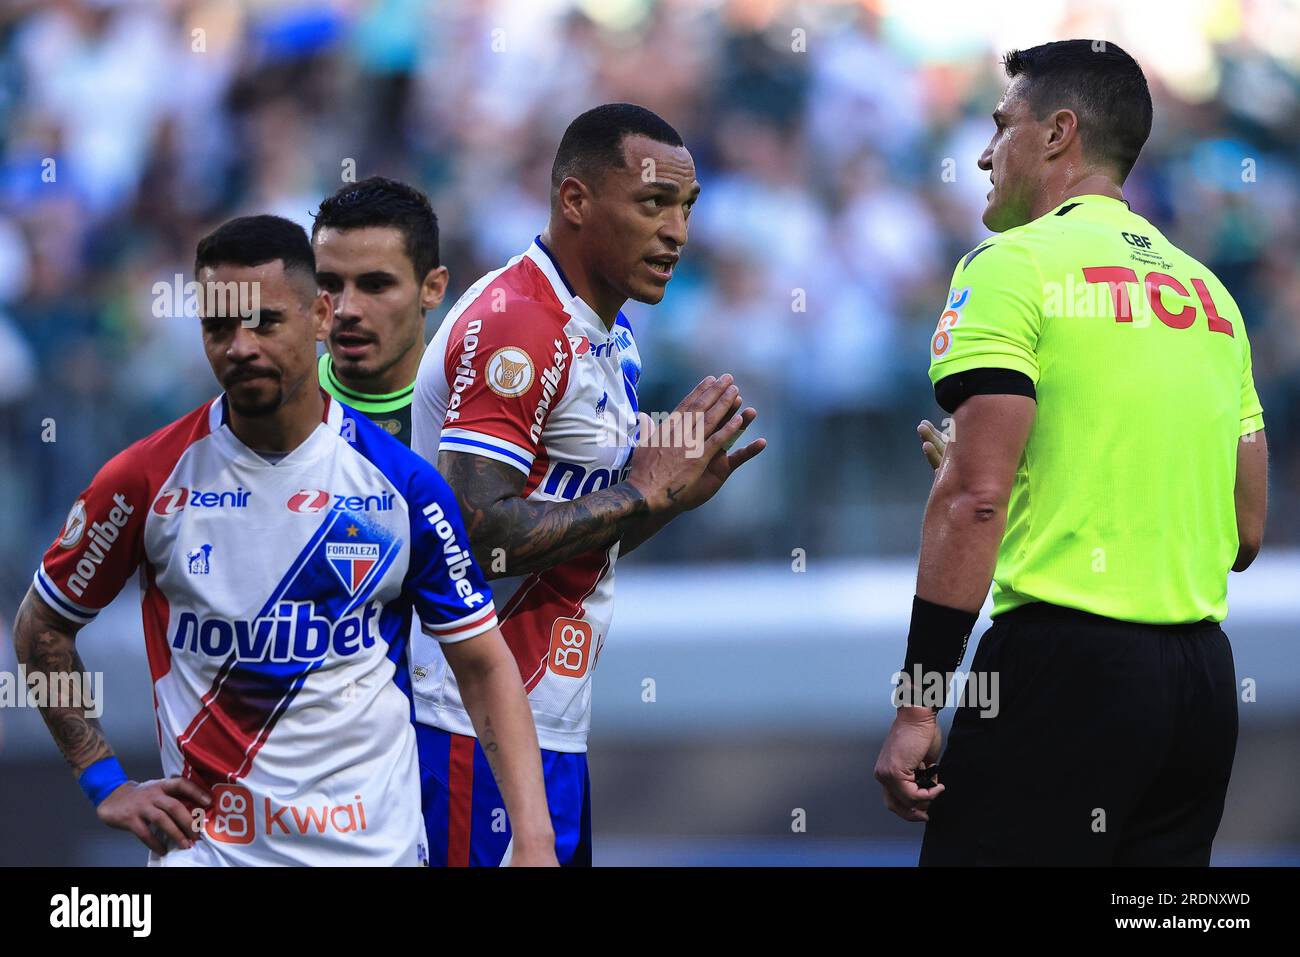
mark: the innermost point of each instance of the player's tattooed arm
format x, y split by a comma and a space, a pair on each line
533, 535
667, 476
45, 643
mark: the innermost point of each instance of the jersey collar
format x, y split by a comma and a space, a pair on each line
369, 403
312, 448
570, 301
1096, 198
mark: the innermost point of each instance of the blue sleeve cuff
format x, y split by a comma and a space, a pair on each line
101, 779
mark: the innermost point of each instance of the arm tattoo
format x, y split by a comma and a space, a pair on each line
535, 535
488, 742
45, 642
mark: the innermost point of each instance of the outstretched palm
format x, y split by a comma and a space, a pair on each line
720, 468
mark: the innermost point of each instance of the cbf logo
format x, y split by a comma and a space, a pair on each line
352, 561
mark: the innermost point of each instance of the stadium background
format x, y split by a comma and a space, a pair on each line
739, 697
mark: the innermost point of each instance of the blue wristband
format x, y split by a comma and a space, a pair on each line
101, 779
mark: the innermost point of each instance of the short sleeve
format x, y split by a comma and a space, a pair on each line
445, 585
100, 545
506, 371
993, 315
1252, 413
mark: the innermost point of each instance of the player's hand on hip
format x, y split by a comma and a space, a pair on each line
914, 741
692, 444
933, 442
154, 810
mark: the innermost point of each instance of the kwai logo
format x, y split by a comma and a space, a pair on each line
234, 818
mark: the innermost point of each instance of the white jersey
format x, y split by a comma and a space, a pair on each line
277, 604
524, 372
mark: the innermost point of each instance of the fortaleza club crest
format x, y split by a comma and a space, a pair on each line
351, 561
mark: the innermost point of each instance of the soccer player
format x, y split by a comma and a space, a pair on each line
1106, 469
284, 543
376, 245
527, 398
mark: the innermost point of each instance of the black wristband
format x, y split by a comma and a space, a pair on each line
936, 644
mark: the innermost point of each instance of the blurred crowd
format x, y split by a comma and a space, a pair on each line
836, 150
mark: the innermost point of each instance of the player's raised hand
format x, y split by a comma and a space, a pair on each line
722, 465
933, 443
670, 460
914, 741
155, 806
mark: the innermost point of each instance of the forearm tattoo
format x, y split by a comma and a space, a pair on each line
534, 535
45, 643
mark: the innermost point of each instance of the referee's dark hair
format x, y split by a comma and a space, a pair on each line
1102, 84
254, 240
593, 143
378, 201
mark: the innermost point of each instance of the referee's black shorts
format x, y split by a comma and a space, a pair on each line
1112, 745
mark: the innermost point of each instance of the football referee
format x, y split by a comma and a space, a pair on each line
1107, 467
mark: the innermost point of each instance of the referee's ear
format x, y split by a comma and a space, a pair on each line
1062, 134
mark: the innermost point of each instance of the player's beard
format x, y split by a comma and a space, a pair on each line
264, 400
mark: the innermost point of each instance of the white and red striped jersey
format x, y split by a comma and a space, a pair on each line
277, 605
524, 372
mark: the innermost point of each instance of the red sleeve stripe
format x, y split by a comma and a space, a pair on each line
60, 602
473, 624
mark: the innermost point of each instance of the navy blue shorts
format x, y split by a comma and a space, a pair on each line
465, 816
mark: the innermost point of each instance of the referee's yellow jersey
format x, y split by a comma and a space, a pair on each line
1123, 502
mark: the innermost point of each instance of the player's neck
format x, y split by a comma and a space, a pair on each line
395, 378
1091, 184
604, 302
287, 427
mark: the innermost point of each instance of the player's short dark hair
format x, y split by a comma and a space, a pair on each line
378, 201
593, 143
254, 240
1102, 84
